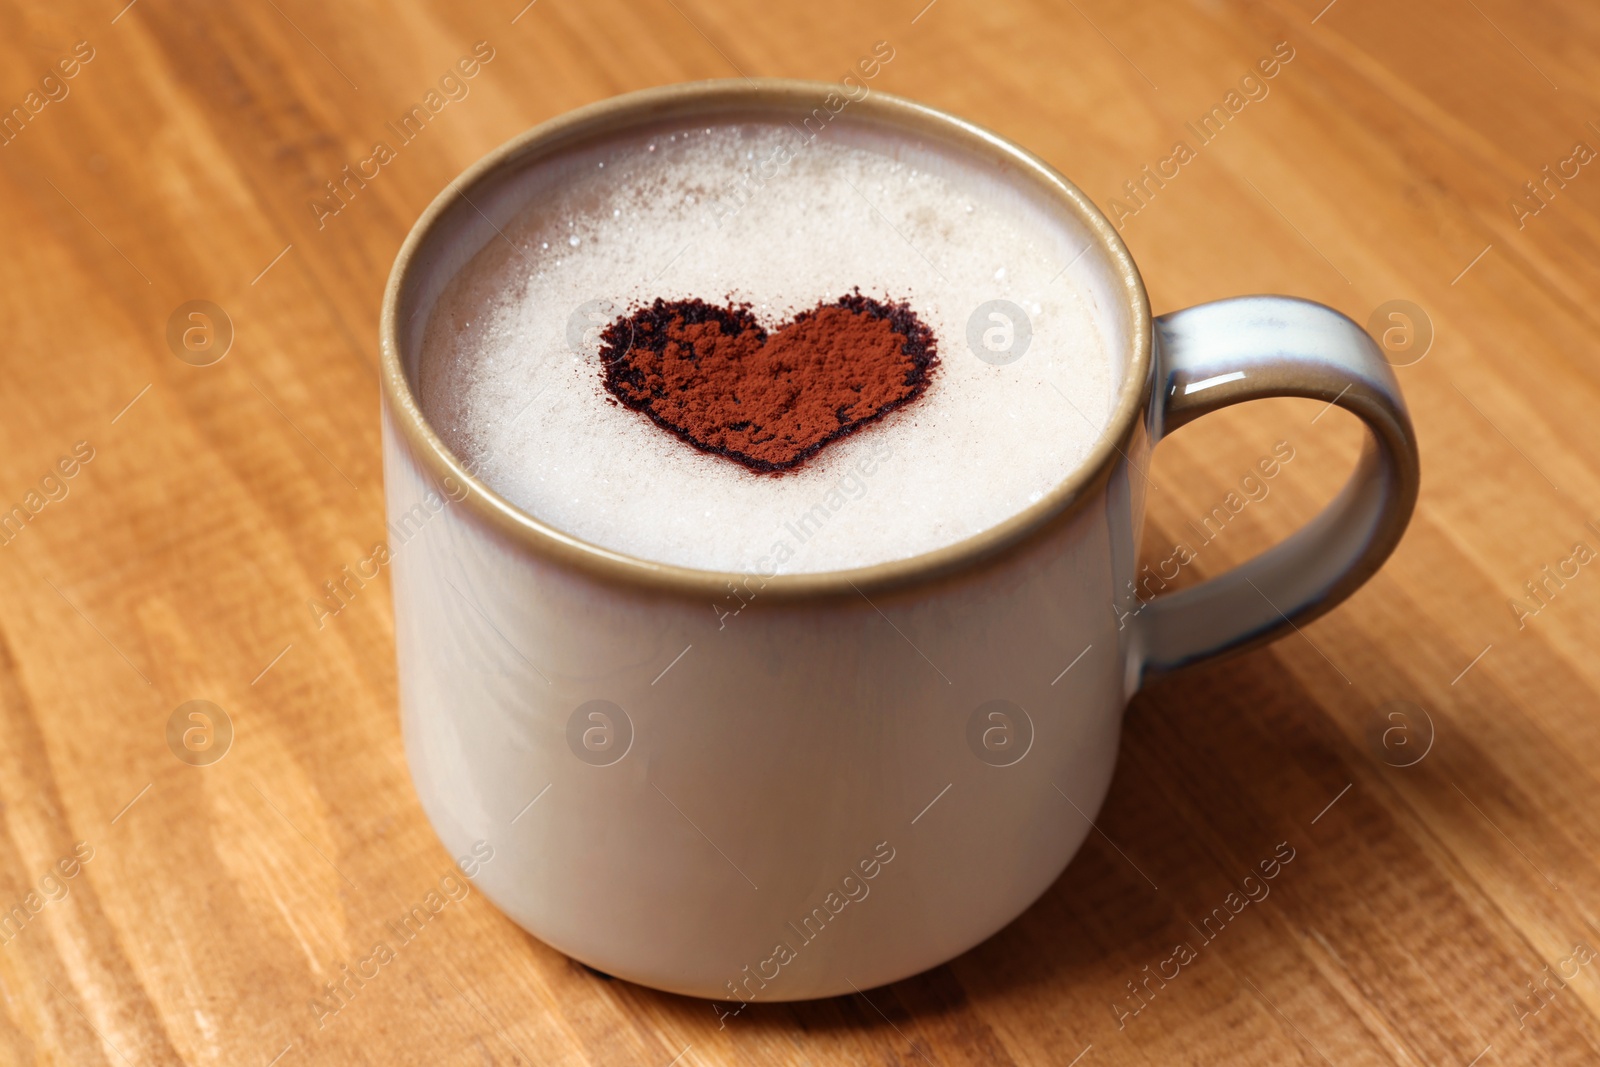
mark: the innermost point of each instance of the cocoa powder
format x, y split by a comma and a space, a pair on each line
716, 379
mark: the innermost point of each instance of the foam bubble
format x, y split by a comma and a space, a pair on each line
756, 212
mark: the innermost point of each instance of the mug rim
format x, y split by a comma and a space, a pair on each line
710, 97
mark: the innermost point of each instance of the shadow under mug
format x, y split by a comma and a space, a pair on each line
866, 772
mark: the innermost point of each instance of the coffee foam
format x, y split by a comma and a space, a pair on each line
764, 213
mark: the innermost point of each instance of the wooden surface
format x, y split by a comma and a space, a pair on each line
216, 901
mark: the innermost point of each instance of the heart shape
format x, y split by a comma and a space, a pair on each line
716, 379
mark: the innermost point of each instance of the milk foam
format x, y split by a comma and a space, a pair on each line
765, 214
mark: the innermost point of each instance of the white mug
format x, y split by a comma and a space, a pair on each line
855, 775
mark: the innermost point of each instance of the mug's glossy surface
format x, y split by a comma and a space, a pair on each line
859, 774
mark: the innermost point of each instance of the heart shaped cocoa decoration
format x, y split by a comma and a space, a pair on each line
716, 379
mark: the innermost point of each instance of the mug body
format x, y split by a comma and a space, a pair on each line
744, 788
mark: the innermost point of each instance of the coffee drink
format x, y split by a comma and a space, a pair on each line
550, 368
760, 327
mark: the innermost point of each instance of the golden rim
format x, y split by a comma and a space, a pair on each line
676, 102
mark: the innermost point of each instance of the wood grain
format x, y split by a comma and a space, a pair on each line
216, 901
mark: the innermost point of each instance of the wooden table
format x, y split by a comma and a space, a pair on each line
1426, 753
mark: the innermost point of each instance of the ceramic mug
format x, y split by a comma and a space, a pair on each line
863, 773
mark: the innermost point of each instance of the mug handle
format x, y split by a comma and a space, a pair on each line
1248, 348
